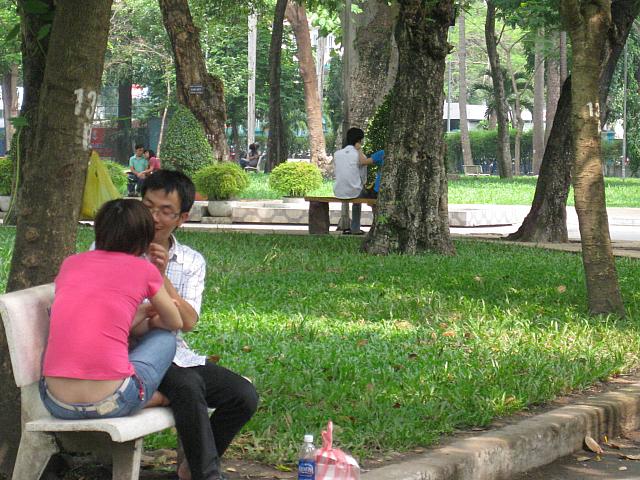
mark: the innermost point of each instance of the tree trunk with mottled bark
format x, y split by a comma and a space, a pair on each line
538, 103
546, 221
197, 89
276, 147
467, 158
517, 113
9, 102
564, 70
297, 17
33, 66
374, 60
412, 213
553, 87
501, 109
47, 221
588, 28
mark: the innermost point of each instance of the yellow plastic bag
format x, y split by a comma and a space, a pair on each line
98, 188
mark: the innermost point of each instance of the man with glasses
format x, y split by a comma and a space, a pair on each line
193, 384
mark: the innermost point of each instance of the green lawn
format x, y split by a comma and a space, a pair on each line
396, 350
489, 190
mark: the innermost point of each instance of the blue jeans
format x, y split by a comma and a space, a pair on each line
151, 358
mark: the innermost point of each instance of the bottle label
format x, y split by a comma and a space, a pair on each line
306, 469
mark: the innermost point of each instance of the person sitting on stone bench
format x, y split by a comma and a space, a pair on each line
351, 175
88, 370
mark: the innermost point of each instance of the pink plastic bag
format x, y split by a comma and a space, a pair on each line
333, 463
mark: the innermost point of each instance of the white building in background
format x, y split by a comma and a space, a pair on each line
475, 114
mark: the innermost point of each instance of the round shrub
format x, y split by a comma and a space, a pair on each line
117, 174
6, 176
295, 179
221, 180
185, 146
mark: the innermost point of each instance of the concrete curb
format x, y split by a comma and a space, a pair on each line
529, 444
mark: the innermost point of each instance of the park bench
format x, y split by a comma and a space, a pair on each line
319, 211
473, 170
25, 315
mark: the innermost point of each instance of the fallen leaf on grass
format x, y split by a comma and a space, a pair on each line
246, 349
231, 469
593, 445
214, 358
397, 405
361, 278
478, 278
449, 334
629, 457
370, 386
283, 468
561, 289
412, 355
363, 342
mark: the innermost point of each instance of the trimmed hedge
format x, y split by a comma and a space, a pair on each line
221, 181
185, 147
484, 144
295, 179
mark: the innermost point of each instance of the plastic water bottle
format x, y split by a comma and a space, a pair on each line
307, 462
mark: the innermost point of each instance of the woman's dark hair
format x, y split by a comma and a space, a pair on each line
124, 225
151, 153
170, 180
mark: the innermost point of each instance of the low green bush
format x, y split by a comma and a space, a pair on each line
295, 179
6, 176
117, 175
221, 180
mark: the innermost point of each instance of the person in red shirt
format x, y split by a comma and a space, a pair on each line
154, 162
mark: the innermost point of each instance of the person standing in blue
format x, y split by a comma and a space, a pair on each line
138, 164
351, 175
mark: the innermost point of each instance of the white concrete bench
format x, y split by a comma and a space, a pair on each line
473, 170
26, 323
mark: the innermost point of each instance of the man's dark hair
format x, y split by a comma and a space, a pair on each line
354, 135
138, 145
124, 225
169, 181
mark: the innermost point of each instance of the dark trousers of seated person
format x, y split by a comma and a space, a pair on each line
191, 392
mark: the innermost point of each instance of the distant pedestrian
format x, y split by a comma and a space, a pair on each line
138, 164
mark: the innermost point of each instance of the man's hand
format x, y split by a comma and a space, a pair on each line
159, 256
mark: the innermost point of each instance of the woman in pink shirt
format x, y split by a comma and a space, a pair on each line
88, 369
154, 162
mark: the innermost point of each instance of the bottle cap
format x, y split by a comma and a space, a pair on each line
308, 438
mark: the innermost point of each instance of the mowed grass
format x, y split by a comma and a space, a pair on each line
396, 350
487, 190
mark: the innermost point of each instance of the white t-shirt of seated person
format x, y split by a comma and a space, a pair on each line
350, 175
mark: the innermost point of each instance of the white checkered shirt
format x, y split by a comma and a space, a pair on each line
185, 270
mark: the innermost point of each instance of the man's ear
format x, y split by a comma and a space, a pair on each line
184, 216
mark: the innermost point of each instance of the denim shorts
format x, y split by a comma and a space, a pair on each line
151, 358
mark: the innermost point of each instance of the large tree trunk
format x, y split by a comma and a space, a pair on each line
553, 87
462, 100
276, 149
197, 89
412, 214
588, 28
538, 103
125, 101
564, 71
374, 60
58, 157
502, 109
10, 102
33, 66
297, 16
546, 221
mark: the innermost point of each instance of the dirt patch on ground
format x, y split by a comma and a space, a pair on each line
161, 464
